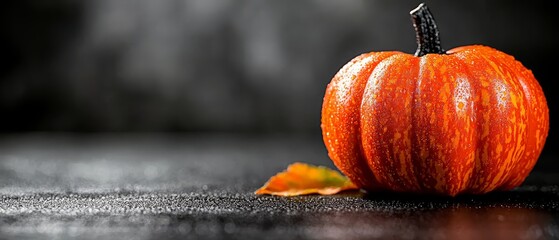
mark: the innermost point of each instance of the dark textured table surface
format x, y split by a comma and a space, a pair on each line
153, 186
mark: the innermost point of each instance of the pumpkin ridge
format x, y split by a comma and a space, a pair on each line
363, 160
409, 174
474, 91
360, 134
493, 164
414, 136
336, 155
412, 64
515, 79
519, 135
340, 118
422, 176
427, 175
521, 79
412, 109
541, 104
479, 170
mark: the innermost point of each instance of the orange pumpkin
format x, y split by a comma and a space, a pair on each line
468, 120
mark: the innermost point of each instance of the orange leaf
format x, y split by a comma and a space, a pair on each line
302, 179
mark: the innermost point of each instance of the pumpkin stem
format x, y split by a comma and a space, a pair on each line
428, 40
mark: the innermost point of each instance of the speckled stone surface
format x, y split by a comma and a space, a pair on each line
140, 186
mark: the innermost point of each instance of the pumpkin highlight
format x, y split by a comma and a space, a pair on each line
468, 120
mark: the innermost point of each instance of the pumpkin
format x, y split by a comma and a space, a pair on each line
468, 120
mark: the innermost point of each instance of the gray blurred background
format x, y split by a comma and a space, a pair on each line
247, 66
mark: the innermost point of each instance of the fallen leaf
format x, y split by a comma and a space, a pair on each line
303, 179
